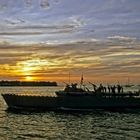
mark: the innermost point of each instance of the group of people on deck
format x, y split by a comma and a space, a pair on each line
109, 89
100, 89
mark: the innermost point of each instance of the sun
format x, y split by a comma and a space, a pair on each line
28, 69
29, 78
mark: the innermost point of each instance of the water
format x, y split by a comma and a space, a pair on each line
50, 125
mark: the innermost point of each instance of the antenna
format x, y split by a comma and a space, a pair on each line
81, 82
128, 81
69, 77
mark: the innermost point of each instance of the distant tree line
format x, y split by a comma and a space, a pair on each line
25, 83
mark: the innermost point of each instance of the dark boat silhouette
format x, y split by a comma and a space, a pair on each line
74, 98
128, 84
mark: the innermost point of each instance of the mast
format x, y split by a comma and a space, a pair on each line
69, 77
81, 82
128, 81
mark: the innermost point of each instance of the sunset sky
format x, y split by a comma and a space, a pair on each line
45, 40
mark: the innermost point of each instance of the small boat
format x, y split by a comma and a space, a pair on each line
74, 98
127, 86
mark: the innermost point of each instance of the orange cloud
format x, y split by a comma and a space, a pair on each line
106, 61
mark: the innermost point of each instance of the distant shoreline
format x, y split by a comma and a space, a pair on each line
25, 83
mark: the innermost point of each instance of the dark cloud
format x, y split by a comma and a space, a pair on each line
37, 30
44, 3
19, 33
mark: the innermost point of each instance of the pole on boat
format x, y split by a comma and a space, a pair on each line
128, 81
69, 78
81, 82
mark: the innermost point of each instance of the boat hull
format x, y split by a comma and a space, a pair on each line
71, 102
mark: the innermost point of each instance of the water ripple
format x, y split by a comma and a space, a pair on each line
98, 124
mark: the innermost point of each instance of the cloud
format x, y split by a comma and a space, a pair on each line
37, 30
19, 33
28, 3
15, 21
96, 37
97, 59
67, 21
44, 3
122, 38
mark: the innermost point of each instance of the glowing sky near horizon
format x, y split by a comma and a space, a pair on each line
47, 39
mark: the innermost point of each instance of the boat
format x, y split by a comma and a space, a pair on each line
128, 85
74, 98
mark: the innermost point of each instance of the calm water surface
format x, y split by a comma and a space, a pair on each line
98, 124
